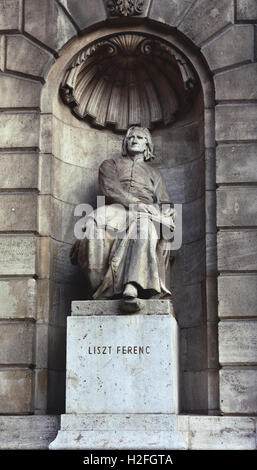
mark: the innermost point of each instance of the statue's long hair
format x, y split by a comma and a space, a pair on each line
148, 154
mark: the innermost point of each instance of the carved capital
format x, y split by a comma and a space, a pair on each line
124, 7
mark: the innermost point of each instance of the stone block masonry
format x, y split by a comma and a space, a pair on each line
221, 53
32, 35
11, 15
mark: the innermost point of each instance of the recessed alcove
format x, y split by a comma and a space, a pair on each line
129, 79
82, 140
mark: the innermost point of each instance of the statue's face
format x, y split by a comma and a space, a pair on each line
136, 142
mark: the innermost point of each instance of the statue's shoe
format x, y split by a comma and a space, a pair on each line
131, 304
130, 291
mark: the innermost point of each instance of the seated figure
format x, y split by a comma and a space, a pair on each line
124, 254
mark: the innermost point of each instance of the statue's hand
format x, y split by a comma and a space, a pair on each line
148, 208
139, 207
153, 209
168, 211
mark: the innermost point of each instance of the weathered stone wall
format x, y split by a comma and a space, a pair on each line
181, 151
32, 35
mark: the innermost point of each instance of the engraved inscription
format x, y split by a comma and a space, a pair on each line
135, 350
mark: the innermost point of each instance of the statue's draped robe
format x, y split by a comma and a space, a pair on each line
111, 262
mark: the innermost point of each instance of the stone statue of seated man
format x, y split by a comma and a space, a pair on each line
124, 254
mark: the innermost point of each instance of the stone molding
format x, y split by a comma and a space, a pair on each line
112, 307
124, 7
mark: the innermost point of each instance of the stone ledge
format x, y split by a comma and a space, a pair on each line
27, 432
198, 432
119, 431
221, 432
156, 432
107, 422
112, 307
113, 440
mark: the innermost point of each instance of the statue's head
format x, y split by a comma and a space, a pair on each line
138, 140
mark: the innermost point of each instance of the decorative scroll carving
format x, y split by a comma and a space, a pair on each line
129, 79
125, 7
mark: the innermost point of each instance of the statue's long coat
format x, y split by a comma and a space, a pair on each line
110, 262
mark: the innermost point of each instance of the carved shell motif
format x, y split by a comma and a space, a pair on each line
127, 80
125, 7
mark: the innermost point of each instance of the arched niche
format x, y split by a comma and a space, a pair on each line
184, 150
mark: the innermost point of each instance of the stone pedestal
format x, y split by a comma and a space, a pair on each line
122, 378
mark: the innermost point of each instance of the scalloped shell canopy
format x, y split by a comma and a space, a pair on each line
127, 80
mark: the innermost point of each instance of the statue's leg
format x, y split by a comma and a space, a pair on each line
142, 263
93, 257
